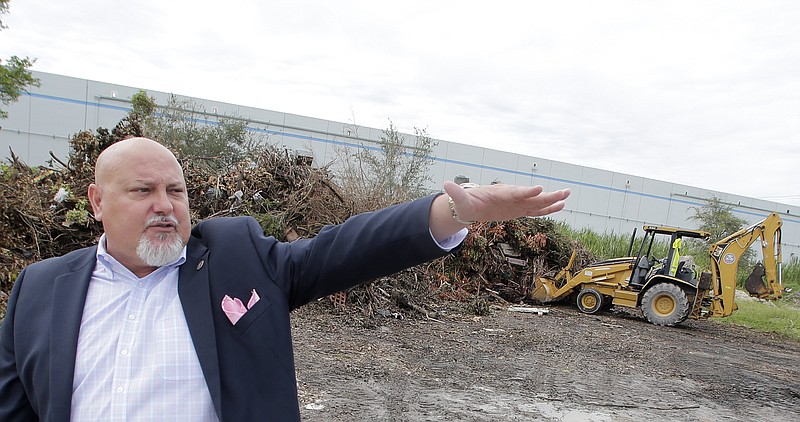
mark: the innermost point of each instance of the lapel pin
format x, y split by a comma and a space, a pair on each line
200, 265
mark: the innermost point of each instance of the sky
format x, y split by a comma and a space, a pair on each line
702, 93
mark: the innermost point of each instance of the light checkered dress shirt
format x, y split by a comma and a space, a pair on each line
135, 358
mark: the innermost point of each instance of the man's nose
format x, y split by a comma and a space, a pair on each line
162, 204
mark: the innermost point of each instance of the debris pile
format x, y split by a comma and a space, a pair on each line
45, 213
497, 263
288, 197
502, 259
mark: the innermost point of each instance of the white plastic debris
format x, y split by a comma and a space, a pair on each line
315, 406
525, 309
61, 195
237, 196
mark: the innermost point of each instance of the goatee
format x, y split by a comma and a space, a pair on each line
158, 254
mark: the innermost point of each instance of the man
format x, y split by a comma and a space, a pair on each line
163, 322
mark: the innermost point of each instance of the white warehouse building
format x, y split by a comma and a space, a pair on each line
43, 119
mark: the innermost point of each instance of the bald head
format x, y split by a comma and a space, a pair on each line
110, 160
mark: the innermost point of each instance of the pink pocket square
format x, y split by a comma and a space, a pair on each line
234, 308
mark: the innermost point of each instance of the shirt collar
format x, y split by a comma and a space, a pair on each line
111, 264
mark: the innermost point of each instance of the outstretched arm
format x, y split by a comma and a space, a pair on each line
490, 203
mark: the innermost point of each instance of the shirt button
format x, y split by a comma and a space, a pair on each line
120, 389
124, 352
131, 317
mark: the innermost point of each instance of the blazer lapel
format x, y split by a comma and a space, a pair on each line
69, 297
195, 294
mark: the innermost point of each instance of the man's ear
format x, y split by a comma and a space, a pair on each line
95, 198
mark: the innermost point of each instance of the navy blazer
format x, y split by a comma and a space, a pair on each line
248, 367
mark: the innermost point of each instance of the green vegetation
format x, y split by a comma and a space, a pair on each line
614, 245
221, 142
397, 170
782, 318
77, 215
14, 73
717, 218
791, 275
272, 224
601, 245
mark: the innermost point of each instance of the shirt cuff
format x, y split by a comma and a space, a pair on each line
447, 244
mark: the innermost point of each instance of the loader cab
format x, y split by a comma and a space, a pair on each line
670, 265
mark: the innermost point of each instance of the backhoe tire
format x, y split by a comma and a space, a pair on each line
665, 304
590, 301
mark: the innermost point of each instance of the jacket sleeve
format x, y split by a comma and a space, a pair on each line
14, 403
364, 247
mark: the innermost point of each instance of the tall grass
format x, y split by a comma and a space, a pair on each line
769, 317
791, 275
612, 245
604, 246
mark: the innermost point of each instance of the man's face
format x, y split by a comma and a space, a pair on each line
140, 197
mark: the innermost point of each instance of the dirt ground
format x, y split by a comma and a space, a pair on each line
560, 366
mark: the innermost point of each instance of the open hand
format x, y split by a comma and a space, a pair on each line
504, 202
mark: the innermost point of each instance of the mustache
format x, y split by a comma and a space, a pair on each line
161, 219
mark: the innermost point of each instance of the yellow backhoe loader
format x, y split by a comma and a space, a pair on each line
670, 290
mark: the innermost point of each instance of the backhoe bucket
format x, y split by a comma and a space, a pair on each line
755, 282
543, 289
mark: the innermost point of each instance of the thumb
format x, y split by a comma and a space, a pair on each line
454, 191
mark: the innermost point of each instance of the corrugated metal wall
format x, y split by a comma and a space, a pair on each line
44, 119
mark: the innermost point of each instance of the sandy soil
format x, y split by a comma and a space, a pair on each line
560, 366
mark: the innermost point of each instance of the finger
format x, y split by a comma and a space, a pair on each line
520, 193
554, 196
546, 200
558, 206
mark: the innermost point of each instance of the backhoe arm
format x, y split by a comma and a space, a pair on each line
726, 253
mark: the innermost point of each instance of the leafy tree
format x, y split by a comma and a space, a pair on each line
716, 218
185, 127
14, 73
143, 105
396, 171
